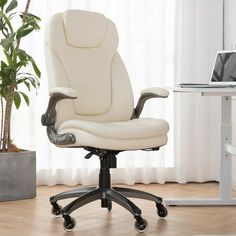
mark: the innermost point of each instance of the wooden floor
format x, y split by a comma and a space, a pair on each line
33, 218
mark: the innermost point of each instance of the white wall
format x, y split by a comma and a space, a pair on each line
230, 43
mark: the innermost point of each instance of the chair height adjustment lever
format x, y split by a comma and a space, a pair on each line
88, 155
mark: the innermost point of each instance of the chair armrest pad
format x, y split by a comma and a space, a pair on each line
56, 94
65, 91
147, 94
49, 118
156, 92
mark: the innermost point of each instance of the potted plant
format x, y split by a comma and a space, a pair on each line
17, 167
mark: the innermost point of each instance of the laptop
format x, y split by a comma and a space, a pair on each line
223, 74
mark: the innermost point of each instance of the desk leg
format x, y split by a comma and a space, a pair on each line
225, 185
225, 188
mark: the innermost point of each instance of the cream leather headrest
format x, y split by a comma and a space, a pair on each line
84, 29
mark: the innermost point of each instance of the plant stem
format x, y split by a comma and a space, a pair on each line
10, 95
23, 18
7, 120
26, 8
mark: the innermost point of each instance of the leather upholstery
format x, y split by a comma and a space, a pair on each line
82, 60
96, 73
70, 92
134, 134
160, 92
92, 38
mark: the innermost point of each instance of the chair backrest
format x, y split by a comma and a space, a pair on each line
81, 53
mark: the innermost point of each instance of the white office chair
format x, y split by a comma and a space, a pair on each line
91, 107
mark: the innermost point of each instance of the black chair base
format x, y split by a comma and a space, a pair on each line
107, 195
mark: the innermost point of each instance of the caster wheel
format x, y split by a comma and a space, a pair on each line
56, 210
141, 225
109, 205
69, 224
162, 211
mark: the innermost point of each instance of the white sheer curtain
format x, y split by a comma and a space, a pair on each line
161, 41
199, 34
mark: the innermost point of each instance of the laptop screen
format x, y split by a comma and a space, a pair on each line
224, 68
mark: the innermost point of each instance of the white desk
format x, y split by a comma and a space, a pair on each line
225, 183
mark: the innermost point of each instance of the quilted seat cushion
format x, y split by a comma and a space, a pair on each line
129, 135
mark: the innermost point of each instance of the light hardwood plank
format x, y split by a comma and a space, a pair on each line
33, 218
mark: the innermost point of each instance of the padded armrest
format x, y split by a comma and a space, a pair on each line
146, 94
156, 92
56, 94
68, 92
49, 118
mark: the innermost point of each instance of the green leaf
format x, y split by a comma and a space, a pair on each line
35, 67
3, 3
4, 92
2, 26
13, 15
24, 80
3, 65
27, 85
23, 33
23, 59
28, 80
7, 43
9, 59
30, 20
6, 71
25, 98
25, 73
34, 16
21, 63
22, 54
29, 58
12, 6
6, 20
17, 100
33, 83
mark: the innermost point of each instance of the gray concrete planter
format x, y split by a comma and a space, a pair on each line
17, 175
